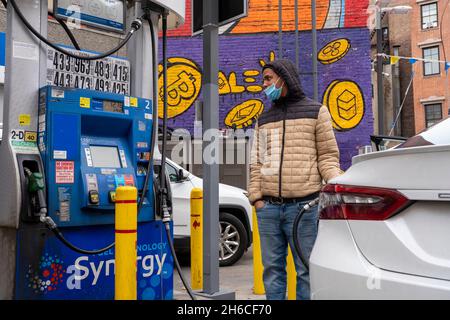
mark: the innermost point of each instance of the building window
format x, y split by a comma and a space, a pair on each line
385, 34
429, 15
433, 114
396, 50
430, 68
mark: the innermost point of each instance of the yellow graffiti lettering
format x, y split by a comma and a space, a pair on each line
346, 104
235, 88
254, 89
250, 78
224, 85
244, 114
251, 73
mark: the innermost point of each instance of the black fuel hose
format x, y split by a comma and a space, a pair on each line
54, 228
67, 30
60, 236
51, 225
177, 264
135, 25
297, 220
63, 25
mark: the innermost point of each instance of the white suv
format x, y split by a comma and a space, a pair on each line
235, 215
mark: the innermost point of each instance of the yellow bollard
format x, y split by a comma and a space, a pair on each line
126, 238
258, 284
291, 276
197, 239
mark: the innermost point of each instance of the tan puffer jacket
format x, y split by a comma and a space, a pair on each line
294, 147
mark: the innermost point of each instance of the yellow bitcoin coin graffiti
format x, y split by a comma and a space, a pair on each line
184, 81
244, 114
334, 51
345, 101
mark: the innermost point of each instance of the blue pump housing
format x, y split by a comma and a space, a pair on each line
90, 143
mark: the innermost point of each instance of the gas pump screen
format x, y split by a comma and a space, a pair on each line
113, 106
105, 157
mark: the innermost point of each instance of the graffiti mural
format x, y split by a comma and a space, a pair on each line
184, 82
346, 104
334, 51
263, 16
246, 46
244, 114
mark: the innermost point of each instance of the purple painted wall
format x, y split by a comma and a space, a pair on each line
242, 56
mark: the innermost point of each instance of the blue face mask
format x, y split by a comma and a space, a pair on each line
272, 92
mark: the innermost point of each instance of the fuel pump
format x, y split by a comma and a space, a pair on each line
62, 172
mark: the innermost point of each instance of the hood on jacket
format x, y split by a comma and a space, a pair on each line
288, 72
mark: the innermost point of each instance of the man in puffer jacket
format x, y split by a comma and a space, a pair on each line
294, 150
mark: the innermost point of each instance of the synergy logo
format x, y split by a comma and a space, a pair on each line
96, 272
48, 276
92, 271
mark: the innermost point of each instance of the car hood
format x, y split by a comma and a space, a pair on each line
224, 189
229, 196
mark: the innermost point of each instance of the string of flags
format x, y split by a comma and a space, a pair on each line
412, 60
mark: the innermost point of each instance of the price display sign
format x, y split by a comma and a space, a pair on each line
108, 75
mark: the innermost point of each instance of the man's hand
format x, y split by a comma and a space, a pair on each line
259, 204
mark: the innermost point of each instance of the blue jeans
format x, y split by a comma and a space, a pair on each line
275, 223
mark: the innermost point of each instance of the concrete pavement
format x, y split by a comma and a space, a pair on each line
237, 278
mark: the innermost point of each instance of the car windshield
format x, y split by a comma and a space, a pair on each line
439, 134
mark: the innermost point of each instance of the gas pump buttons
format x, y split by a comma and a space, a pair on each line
112, 196
144, 156
94, 197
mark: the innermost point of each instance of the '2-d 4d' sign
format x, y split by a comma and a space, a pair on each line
346, 104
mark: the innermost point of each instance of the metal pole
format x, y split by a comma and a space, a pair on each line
380, 97
210, 152
280, 29
296, 34
314, 49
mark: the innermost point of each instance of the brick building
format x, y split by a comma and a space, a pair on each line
396, 30
424, 33
430, 39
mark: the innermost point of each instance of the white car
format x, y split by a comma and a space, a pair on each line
384, 228
235, 215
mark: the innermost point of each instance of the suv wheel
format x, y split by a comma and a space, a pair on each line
232, 239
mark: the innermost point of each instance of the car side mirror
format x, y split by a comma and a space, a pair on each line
181, 177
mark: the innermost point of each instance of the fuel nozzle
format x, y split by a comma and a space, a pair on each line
36, 185
35, 181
